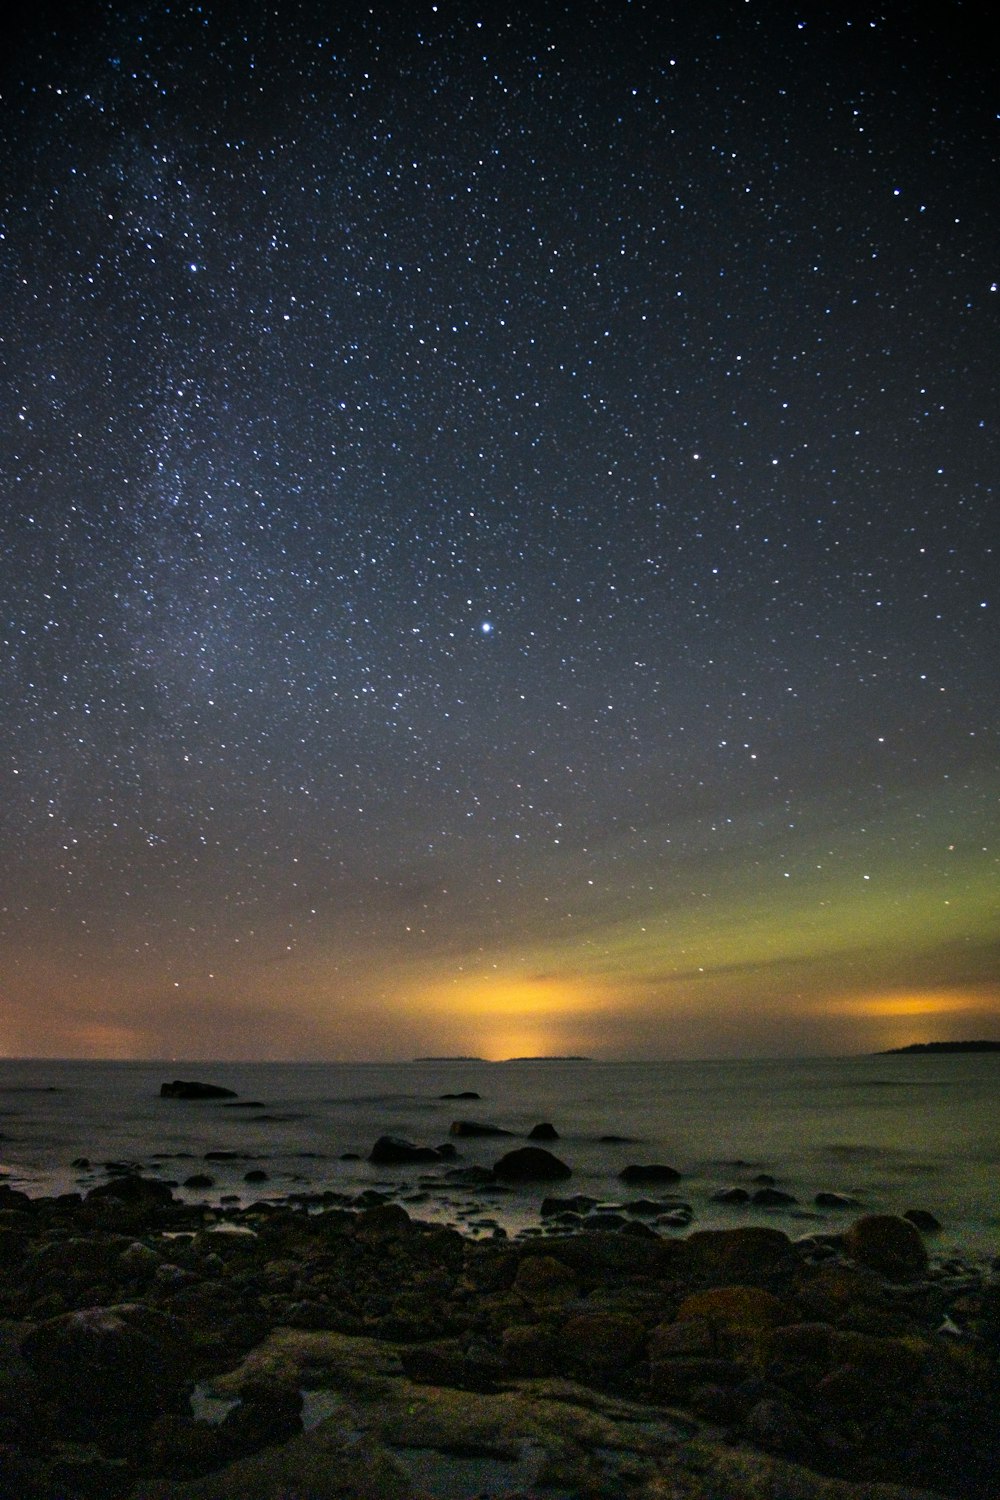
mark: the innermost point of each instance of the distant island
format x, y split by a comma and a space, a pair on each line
549, 1059
982, 1046
449, 1059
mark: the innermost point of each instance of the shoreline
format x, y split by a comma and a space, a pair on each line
852, 1358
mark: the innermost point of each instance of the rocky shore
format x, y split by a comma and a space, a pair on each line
153, 1349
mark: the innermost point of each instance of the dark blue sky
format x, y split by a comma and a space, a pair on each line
497, 529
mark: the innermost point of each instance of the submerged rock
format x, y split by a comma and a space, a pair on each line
475, 1128
191, 1089
654, 1172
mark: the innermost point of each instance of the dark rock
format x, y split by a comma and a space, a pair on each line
531, 1164
199, 1180
256, 1174
599, 1343
771, 1197
892, 1246
763, 1179
923, 1219
108, 1366
131, 1189
471, 1176
654, 1172
191, 1089
731, 1195
13, 1197
543, 1132
772, 1424
390, 1151
475, 1128
619, 1140
81, 1163
578, 1204
465, 1094
835, 1200
752, 1255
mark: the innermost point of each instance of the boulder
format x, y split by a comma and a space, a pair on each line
191, 1089
772, 1197
133, 1190
653, 1172
887, 1244
531, 1164
474, 1128
752, 1255
464, 1094
109, 1366
390, 1151
835, 1200
923, 1219
543, 1132
730, 1195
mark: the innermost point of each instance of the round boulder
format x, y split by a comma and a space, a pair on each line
531, 1164
887, 1244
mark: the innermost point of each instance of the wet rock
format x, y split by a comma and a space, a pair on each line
199, 1180
475, 1128
391, 1151
923, 1219
771, 1197
182, 1088
835, 1200
892, 1246
464, 1094
579, 1203
543, 1132
653, 1172
774, 1425
531, 1164
730, 1195
256, 1174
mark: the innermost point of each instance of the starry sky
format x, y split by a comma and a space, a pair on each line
497, 517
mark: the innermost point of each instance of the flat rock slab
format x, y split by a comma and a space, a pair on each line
388, 1438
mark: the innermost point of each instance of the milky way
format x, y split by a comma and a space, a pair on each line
497, 530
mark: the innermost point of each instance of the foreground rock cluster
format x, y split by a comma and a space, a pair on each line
153, 1349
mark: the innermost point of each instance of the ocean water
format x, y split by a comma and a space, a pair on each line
895, 1132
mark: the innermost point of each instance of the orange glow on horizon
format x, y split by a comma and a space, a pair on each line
910, 1003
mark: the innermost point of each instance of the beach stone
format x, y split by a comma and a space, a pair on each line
597, 1343
199, 1180
110, 1366
543, 1131
774, 1425
543, 1279
531, 1164
752, 1255
739, 1317
692, 1338
890, 1245
835, 1200
772, 1197
652, 1172
529, 1349
730, 1195
391, 1151
182, 1088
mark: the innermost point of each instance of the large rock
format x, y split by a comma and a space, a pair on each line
653, 1172
390, 1151
531, 1164
475, 1127
751, 1255
190, 1089
109, 1366
134, 1190
887, 1244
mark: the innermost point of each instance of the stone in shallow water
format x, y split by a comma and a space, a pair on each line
892, 1246
531, 1164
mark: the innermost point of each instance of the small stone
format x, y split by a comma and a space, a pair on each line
651, 1172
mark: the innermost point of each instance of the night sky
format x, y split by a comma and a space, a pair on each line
497, 529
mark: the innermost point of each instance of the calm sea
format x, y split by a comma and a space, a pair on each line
894, 1132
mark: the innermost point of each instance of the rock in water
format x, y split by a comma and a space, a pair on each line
654, 1172
543, 1132
190, 1089
887, 1244
390, 1151
531, 1164
475, 1127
